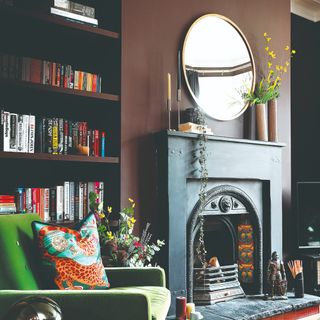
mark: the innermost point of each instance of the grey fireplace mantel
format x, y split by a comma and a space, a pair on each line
229, 161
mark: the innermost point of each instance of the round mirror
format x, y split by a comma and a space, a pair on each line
218, 66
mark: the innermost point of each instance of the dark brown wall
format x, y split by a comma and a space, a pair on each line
152, 32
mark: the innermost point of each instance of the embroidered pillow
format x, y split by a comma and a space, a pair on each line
71, 257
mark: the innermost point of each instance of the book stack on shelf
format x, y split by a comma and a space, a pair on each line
46, 72
25, 133
7, 204
68, 201
74, 11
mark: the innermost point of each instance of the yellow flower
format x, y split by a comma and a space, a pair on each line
267, 48
293, 51
268, 39
277, 68
269, 65
109, 209
130, 200
110, 235
287, 63
265, 34
133, 220
286, 48
133, 205
285, 69
102, 215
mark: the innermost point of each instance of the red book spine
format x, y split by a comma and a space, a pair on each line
58, 74
24, 201
41, 203
85, 134
35, 70
80, 135
94, 82
36, 200
96, 143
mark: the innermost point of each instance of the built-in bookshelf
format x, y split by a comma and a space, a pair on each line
27, 29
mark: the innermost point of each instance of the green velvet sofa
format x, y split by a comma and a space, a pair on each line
135, 294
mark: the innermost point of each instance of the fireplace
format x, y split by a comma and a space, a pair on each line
244, 199
233, 235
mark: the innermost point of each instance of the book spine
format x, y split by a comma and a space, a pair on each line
58, 75
80, 134
35, 70
85, 199
32, 133
91, 188
59, 203
84, 81
29, 200
20, 133
96, 143
35, 200
19, 200
53, 72
41, 203
72, 201
49, 135
65, 136
76, 80
61, 135
94, 82
76, 200
27, 69
81, 201
75, 135
55, 136
85, 134
25, 133
103, 143
13, 132
80, 80
66, 200
71, 78
62, 74
101, 191
6, 131
53, 204
46, 205
66, 76
89, 82
70, 138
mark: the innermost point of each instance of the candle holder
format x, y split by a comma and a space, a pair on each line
169, 113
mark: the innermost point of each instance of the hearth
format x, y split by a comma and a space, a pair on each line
243, 211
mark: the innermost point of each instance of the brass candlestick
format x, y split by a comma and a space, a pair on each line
169, 112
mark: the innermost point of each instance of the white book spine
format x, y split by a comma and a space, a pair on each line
59, 203
73, 16
81, 200
71, 201
91, 188
25, 133
76, 80
101, 191
29, 200
32, 133
46, 205
6, 131
20, 133
66, 202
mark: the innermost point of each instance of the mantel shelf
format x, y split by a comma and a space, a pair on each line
56, 20
57, 157
59, 90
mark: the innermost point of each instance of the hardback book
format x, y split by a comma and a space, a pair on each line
53, 204
6, 130
65, 136
25, 133
32, 133
72, 200
76, 200
66, 200
53, 73
13, 132
59, 203
29, 200
35, 70
84, 81
46, 66
55, 136
46, 205
58, 75
89, 81
61, 135
85, 199
73, 16
81, 200
35, 200
74, 7
76, 80
19, 135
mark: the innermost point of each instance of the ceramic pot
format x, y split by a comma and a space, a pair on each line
272, 120
261, 122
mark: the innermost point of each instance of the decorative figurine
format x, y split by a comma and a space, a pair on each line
276, 278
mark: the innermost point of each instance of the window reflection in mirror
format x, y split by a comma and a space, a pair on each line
218, 66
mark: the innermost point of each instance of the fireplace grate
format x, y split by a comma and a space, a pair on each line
215, 284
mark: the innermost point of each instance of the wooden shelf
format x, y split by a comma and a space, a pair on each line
48, 88
57, 157
56, 20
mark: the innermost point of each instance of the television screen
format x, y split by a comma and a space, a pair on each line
308, 210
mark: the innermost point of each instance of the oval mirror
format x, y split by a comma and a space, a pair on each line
218, 66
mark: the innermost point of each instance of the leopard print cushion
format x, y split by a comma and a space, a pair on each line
71, 257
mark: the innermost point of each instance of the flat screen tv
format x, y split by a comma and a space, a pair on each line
308, 214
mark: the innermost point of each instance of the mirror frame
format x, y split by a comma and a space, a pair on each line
249, 52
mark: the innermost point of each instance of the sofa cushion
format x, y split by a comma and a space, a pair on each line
71, 257
160, 299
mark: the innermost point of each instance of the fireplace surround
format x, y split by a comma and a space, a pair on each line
244, 181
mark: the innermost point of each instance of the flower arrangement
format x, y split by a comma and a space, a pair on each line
122, 247
272, 74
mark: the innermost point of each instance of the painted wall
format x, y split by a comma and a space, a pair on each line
152, 32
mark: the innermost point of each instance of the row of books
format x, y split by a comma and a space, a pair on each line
26, 133
47, 72
66, 202
7, 204
74, 11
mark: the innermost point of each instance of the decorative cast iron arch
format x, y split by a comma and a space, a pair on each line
192, 226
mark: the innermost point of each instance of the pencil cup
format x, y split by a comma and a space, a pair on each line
299, 286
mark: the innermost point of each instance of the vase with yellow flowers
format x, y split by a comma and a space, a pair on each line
268, 89
120, 247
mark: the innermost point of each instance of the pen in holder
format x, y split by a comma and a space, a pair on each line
299, 286
296, 269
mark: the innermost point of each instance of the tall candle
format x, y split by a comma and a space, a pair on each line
179, 70
190, 308
181, 307
169, 86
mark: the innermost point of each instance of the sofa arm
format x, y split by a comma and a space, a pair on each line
88, 304
128, 277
